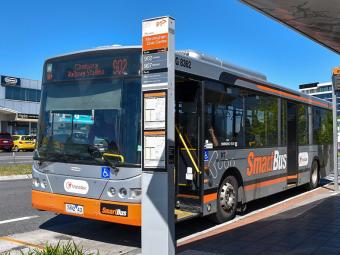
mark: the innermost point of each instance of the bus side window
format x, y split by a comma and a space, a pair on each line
261, 120
223, 116
250, 139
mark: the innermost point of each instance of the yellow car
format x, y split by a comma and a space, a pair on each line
23, 142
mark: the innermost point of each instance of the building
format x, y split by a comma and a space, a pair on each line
19, 105
321, 90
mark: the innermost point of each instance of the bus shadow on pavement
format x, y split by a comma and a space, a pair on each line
192, 226
309, 229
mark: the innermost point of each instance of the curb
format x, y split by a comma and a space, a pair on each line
15, 177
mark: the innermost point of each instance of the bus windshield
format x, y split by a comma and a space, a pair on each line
82, 120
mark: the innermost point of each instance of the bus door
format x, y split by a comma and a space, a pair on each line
188, 142
292, 146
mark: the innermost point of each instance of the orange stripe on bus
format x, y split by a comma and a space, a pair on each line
265, 183
307, 100
57, 203
210, 197
270, 182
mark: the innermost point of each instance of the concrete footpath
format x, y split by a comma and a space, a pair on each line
15, 177
306, 224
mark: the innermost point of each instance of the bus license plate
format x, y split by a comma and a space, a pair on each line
75, 209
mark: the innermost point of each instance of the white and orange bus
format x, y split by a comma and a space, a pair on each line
238, 137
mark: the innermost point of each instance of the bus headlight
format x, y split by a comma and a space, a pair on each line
122, 192
135, 193
35, 182
44, 183
111, 192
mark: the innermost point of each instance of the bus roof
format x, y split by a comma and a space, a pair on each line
211, 67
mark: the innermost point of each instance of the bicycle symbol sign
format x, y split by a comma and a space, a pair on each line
105, 172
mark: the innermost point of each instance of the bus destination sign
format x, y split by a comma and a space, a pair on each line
85, 70
90, 67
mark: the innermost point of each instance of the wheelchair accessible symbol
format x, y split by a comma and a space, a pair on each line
106, 172
206, 155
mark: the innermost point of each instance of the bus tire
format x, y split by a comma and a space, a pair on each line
314, 178
227, 198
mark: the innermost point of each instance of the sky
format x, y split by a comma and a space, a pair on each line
32, 31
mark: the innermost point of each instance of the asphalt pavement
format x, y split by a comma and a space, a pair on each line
17, 215
10, 158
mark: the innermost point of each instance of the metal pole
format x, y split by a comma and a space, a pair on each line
335, 144
158, 97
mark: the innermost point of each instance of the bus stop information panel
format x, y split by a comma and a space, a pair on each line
158, 97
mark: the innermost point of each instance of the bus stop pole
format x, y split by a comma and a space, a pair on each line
336, 87
158, 136
335, 143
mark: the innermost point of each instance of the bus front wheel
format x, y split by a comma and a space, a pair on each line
226, 200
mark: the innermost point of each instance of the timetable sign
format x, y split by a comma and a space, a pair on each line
158, 77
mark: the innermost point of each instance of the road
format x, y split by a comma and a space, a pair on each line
22, 157
15, 203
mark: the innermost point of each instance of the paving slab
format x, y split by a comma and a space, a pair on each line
304, 224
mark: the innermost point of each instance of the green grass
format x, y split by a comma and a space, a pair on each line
15, 169
69, 248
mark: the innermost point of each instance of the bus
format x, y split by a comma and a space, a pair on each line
238, 137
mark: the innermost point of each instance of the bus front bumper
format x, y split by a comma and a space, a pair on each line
123, 213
